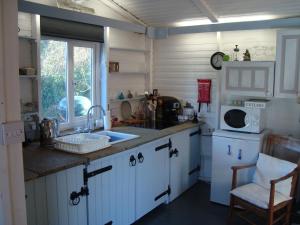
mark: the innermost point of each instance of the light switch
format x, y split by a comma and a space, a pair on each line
12, 133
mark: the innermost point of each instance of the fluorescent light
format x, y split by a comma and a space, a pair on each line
227, 19
244, 18
193, 22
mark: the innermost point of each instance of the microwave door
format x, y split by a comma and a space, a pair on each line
236, 118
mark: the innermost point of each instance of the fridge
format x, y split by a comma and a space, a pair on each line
229, 149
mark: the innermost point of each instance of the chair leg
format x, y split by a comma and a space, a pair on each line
270, 217
288, 214
231, 210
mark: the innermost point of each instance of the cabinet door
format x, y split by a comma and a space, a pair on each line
228, 152
48, 199
195, 155
287, 81
246, 153
152, 176
179, 164
222, 160
112, 193
248, 78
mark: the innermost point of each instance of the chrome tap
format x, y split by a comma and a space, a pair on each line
89, 129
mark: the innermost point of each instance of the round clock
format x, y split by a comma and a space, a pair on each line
216, 60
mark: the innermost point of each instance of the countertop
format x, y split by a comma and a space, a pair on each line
42, 161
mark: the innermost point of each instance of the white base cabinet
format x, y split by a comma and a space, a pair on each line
179, 164
48, 199
195, 155
122, 187
185, 157
111, 197
152, 173
230, 149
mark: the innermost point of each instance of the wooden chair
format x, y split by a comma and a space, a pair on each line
270, 194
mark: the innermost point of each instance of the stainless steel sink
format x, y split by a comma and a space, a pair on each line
117, 137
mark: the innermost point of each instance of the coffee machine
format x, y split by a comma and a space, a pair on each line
167, 109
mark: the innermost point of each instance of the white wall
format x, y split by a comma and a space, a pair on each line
130, 62
283, 115
181, 59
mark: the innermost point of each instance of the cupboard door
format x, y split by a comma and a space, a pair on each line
152, 176
287, 66
248, 78
246, 153
123, 189
195, 155
179, 164
48, 199
222, 160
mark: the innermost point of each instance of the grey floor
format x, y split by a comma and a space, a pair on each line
192, 208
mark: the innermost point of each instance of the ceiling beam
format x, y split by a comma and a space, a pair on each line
123, 11
54, 12
204, 8
252, 25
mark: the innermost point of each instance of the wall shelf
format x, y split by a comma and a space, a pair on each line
129, 73
127, 99
28, 76
129, 49
27, 38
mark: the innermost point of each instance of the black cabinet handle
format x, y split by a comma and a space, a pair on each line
174, 152
140, 157
132, 161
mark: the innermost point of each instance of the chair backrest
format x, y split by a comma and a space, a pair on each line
269, 168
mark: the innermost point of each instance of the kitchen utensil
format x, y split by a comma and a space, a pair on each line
107, 121
49, 129
27, 71
82, 143
126, 110
114, 67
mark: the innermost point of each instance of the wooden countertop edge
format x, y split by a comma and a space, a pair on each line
31, 173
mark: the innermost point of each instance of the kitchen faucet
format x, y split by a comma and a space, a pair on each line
89, 129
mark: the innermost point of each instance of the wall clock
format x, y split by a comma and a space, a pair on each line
216, 60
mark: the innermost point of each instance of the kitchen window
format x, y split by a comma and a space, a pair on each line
69, 80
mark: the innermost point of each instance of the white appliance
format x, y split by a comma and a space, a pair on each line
242, 119
228, 149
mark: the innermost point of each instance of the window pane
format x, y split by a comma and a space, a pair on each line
83, 70
54, 79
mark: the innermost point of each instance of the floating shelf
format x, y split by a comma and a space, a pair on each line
127, 99
130, 73
129, 49
28, 76
27, 38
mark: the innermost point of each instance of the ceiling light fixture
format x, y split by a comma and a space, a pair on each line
227, 19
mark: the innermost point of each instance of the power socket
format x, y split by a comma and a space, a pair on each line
12, 133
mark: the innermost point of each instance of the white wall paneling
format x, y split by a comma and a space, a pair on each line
179, 61
133, 52
12, 191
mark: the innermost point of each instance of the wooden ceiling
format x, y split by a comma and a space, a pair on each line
169, 12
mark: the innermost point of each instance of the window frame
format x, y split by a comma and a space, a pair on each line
95, 80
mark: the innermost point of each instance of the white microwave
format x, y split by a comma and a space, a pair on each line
242, 119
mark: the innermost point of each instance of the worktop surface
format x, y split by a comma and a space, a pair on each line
41, 161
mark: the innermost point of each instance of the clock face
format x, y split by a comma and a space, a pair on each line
216, 60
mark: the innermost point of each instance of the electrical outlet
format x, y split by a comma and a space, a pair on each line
12, 133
